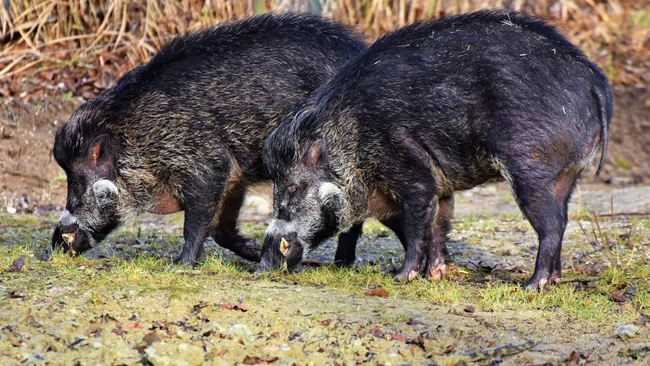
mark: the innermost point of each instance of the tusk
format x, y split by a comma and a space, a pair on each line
68, 238
284, 247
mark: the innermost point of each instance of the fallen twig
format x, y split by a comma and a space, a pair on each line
490, 353
580, 280
507, 350
625, 214
13, 33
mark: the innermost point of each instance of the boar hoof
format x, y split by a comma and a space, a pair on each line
556, 278
535, 284
412, 275
47, 256
436, 273
406, 277
250, 250
263, 267
181, 261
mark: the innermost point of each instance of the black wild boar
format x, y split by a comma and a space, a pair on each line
186, 130
431, 109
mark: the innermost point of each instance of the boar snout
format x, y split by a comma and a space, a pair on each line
69, 237
64, 236
281, 248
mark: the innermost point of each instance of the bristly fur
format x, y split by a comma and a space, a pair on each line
205, 49
186, 129
284, 146
441, 106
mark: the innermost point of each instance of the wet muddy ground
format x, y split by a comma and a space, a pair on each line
123, 303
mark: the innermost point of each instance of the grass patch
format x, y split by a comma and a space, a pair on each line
19, 221
145, 275
583, 212
373, 227
253, 230
583, 296
592, 304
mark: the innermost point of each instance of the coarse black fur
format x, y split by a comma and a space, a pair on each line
437, 107
185, 131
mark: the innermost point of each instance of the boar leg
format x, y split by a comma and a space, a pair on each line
200, 212
395, 225
198, 220
417, 219
226, 233
437, 252
563, 188
545, 205
346, 247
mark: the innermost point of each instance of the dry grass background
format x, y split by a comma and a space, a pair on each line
81, 47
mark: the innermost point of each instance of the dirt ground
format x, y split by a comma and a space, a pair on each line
123, 303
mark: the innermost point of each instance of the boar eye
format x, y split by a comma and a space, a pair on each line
292, 189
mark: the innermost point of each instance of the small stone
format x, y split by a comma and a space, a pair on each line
263, 209
11, 210
18, 264
470, 309
96, 345
240, 331
165, 354
254, 201
626, 331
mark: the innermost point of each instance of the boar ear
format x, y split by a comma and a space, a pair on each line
317, 154
99, 151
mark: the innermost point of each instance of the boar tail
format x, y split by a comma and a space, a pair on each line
604, 115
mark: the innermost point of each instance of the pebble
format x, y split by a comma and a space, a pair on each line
96, 345
626, 331
11, 210
164, 354
261, 205
254, 201
240, 331
263, 209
